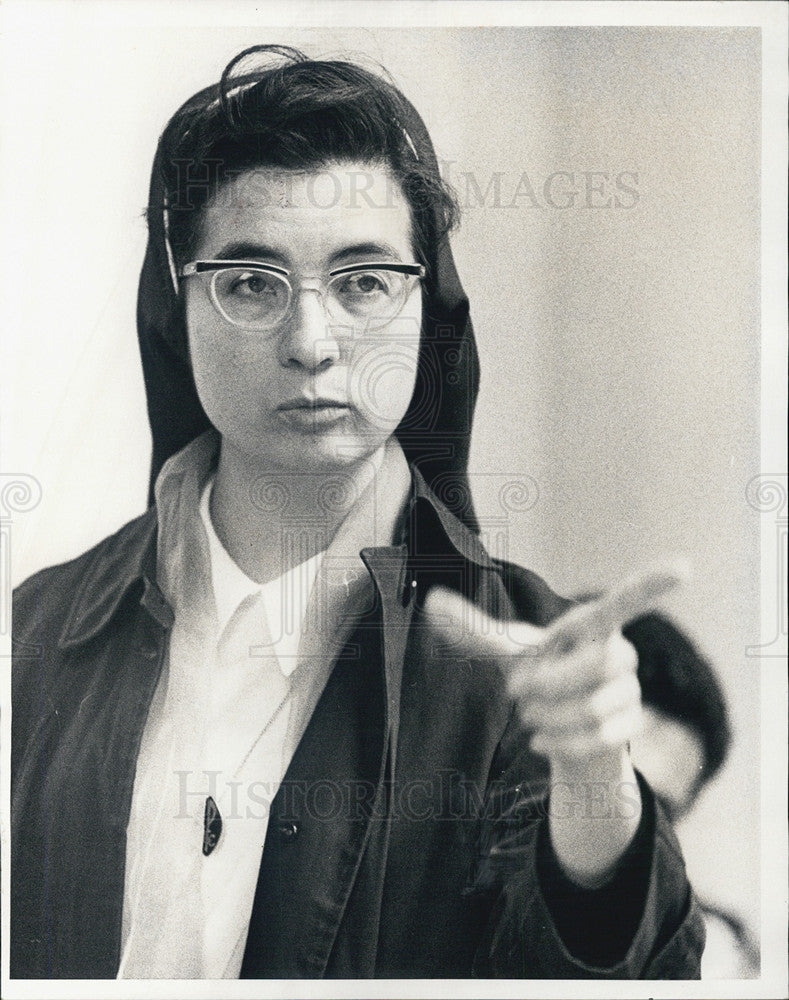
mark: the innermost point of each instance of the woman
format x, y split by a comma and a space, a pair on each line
246, 740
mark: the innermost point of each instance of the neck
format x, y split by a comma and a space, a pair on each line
270, 520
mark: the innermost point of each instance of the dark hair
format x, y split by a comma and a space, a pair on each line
296, 113
678, 681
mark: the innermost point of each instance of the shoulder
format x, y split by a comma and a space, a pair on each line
61, 608
504, 589
44, 601
531, 598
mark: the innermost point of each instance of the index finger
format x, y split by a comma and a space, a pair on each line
469, 631
596, 620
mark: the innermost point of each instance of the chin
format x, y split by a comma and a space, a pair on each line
310, 452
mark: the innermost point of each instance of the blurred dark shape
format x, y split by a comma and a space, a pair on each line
677, 681
684, 743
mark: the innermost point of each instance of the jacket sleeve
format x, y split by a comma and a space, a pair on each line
644, 924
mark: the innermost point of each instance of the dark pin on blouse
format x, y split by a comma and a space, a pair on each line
212, 826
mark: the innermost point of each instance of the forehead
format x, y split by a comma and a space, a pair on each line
308, 217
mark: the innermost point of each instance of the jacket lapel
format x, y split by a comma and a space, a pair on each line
333, 791
330, 818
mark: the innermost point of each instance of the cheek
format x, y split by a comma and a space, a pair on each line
207, 358
382, 372
222, 365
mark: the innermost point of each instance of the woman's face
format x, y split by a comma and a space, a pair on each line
314, 392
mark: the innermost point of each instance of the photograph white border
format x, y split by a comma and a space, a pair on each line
94, 15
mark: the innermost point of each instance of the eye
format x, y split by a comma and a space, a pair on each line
365, 284
250, 297
252, 285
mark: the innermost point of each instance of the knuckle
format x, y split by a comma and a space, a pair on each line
634, 687
629, 655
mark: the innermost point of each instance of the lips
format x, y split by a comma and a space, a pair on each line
313, 404
314, 414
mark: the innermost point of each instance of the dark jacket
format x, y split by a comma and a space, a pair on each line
408, 837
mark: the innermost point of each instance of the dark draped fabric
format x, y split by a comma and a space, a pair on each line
435, 431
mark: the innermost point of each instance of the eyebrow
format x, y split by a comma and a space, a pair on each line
259, 251
380, 250
250, 251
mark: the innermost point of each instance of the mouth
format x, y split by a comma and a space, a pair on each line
313, 413
312, 404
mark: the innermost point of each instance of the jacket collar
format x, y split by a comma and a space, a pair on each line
119, 563
128, 559
461, 539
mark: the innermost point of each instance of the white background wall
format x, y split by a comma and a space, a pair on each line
619, 346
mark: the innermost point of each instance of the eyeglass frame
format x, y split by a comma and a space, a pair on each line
314, 284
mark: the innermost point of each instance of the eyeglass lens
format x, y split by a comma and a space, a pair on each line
261, 300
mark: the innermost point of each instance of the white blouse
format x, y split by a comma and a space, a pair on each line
247, 664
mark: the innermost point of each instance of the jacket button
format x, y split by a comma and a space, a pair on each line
288, 831
409, 591
148, 650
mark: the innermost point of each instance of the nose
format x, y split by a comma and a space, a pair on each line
307, 342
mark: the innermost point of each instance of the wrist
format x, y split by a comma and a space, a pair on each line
595, 810
610, 764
